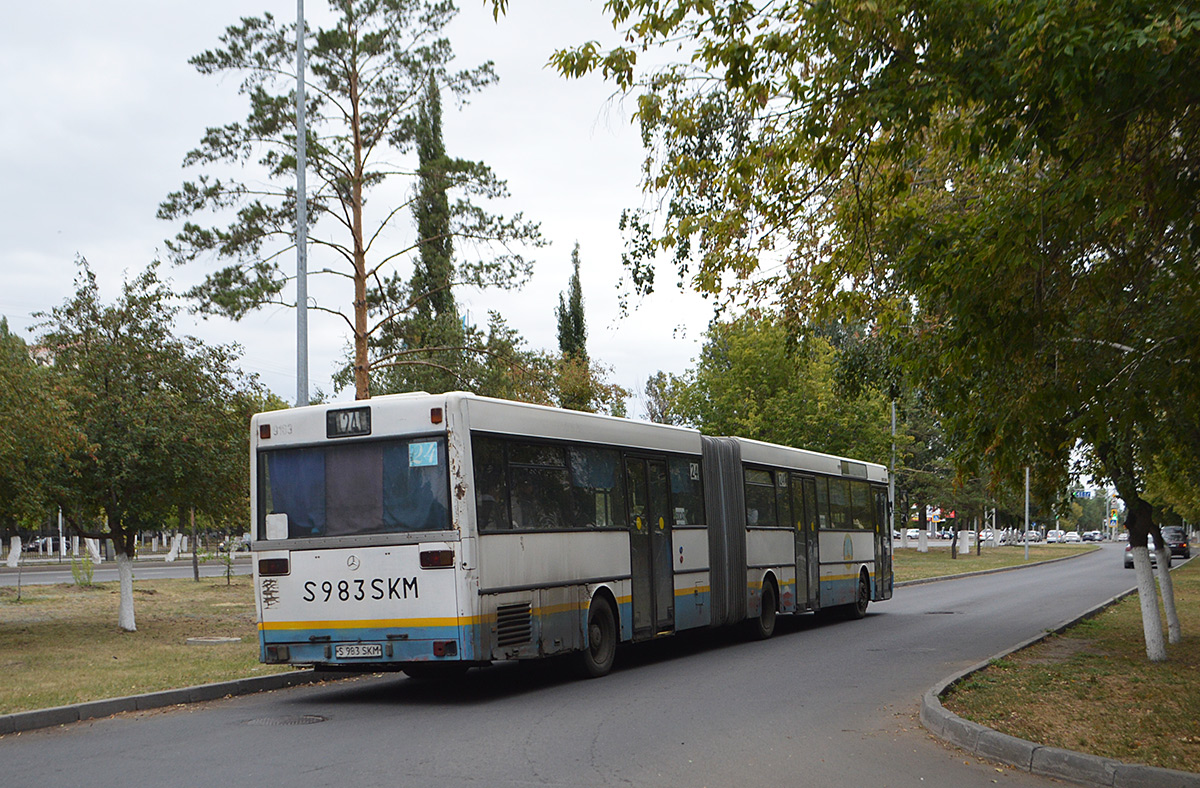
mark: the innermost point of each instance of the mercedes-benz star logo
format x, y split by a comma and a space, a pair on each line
352, 562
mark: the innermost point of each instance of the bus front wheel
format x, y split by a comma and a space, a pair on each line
862, 597
598, 655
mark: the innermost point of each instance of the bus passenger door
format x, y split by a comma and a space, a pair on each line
808, 567
883, 546
650, 547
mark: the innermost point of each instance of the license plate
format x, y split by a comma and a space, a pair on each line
358, 650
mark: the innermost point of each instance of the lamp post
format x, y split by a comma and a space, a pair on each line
301, 220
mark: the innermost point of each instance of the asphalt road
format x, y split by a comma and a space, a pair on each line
48, 571
820, 704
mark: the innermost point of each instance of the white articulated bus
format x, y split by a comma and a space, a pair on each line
431, 533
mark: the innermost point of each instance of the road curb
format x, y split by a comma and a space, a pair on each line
22, 721
1037, 758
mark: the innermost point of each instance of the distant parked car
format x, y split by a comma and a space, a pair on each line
238, 544
1055, 536
1072, 536
1123, 536
1153, 554
1033, 535
1177, 540
1093, 536
913, 533
46, 544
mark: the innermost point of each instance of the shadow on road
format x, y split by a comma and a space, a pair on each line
503, 680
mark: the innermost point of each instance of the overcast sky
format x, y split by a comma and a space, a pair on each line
98, 106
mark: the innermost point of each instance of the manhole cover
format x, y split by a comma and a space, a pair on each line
940, 612
294, 719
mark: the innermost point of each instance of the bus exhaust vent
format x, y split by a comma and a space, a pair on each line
514, 624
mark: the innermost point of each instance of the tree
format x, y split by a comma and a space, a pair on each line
165, 418
577, 388
749, 381
1007, 189
37, 432
662, 395
572, 326
424, 349
369, 74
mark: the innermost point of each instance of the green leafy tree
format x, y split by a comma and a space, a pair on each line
661, 396
165, 418
1008, 189
752, 382
37, 433
369, 72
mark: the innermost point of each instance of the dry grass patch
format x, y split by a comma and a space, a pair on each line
1091, 689
908, 564
60, 644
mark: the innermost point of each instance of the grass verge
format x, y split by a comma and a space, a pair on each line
60, 644
908, 564
1091, 688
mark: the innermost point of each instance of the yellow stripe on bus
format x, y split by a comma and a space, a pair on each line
378, 623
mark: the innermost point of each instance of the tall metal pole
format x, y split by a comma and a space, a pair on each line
301, 220
1026, 512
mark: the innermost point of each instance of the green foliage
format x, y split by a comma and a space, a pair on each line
1005, 190
750, 381
165, 418
37, 430
572, 325
83, 570
368, 106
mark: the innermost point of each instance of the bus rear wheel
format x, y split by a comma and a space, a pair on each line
763, 627
598, 655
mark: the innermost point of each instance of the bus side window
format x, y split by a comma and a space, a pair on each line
839, 504
539, 487
491, 491
823, 520
861, 510
760, 498
687, 495
597, 494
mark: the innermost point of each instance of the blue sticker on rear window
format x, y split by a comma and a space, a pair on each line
422, 455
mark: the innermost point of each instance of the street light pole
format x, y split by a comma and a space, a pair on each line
1026, 512
301, 220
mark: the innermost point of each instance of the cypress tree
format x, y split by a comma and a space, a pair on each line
572, 329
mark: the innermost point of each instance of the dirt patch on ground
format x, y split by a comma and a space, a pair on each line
1057, 650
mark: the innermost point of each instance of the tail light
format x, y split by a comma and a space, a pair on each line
437, 559
271, 567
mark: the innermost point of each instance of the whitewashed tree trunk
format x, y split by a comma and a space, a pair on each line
1166, 587
1156, 649
93, 547
14, 552
125, 609
174, 551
